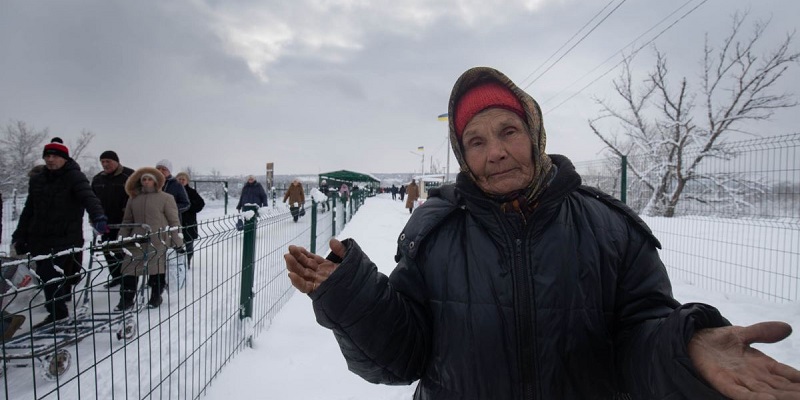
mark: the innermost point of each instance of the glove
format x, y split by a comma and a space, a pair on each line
100, 225
20, 248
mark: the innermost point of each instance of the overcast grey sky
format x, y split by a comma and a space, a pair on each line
315, 85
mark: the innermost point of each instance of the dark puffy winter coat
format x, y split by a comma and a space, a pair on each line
52, 218
252, 193
173, 187
575, 303
190, 216
110, 189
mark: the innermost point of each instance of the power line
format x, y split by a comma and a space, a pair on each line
618, 52
632, 54
576, 44
567, 42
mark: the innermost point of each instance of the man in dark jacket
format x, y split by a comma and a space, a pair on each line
173, 187
252, 193
52, 221
189, 217
518, 282
109, 187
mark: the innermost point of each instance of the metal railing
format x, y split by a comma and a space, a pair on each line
234, 288
737, 224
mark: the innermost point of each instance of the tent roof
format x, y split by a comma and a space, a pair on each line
348, 176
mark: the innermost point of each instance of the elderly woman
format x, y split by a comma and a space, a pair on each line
252, 193
148, 205
189, 217
412, 195
296, 198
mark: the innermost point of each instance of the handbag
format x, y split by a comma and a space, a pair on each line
239, 224
176, 270
302, 210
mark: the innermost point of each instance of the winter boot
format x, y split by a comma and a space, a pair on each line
157, 285
10, 324
127, 293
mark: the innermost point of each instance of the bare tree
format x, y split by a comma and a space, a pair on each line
81, 144
21, 149
669, 130
89, 164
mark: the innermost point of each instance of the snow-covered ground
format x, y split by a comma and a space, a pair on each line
298, 359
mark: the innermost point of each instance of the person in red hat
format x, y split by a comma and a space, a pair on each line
518, 282
52, 221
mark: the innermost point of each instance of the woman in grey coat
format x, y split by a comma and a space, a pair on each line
148, 205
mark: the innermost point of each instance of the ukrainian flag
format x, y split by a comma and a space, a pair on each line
421, 148
442, 117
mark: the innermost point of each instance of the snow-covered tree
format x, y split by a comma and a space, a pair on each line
668, 129
20, 149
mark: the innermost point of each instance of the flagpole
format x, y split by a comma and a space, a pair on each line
443, 117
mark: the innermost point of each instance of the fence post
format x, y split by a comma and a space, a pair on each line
623, 190
248, 261
333, 216
344, 206
313, 246
225, 185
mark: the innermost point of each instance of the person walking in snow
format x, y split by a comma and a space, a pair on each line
412, 195
148, 204
402, 192
323, 188
52, 221
252, 193
173, 187
394, 192
189, 217
344, 193
296, 197
109, 186
518, 282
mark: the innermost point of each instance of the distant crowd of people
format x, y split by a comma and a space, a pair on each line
122, 202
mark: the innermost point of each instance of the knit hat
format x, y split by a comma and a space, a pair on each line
164, 163
482, 96
56, 147
109, 155
148, 175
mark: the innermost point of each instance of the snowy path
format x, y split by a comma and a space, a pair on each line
298, 359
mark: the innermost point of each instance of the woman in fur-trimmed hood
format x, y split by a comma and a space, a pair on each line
148, 204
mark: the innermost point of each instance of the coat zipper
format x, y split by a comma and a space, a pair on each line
525, 334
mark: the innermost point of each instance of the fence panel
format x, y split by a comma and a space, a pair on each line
737, 223
170, 352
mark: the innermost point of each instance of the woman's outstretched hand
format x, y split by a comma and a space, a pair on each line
307, 270
724, 358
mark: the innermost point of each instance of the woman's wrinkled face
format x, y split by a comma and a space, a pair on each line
498, 151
